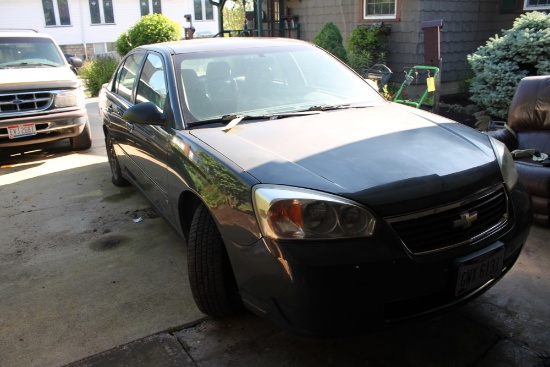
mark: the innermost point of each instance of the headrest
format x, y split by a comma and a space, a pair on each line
218, 70
259, 71
530, 107
190, 80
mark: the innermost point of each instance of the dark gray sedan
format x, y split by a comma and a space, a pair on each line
304, 195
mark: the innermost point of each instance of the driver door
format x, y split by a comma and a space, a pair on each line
147, 147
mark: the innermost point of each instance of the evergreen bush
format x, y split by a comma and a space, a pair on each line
521, 51
330, 39
97, 72
151, 28
368, 45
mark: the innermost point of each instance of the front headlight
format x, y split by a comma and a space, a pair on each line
292, 213
506, 162
72, 98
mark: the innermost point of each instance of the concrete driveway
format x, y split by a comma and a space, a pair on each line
90, 277
79, 273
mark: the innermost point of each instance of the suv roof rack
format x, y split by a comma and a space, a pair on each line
18, 30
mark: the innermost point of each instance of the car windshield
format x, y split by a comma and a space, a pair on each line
267, 81
29, 51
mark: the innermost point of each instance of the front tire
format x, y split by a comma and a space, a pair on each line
210, 274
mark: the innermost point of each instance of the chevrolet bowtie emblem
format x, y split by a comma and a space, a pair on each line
466, 220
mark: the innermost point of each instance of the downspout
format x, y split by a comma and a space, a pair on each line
83, 31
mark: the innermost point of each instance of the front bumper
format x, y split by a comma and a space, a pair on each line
49, 127
343, 288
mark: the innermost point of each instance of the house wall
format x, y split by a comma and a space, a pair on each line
467, 24
313, 14
81, 33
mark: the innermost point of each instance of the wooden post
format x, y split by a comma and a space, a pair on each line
432, 52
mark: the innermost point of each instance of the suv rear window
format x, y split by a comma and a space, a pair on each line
25, 51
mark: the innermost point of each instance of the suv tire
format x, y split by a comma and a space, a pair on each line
83, 140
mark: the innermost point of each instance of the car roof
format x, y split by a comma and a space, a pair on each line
222, 43
31, 33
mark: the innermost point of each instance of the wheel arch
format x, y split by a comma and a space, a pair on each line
187, 205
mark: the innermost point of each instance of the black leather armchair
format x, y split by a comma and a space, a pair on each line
528, 127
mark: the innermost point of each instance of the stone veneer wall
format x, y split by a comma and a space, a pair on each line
78, 50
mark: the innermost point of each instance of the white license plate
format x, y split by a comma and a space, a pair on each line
19, 131
475, 272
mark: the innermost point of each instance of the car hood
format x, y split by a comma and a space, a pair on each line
17, 79
385, 157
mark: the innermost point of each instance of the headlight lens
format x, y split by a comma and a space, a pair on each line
506, 162
293, 213
71, 98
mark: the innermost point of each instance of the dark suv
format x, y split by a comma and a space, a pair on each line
41, 99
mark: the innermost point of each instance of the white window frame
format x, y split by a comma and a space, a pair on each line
379, 16
527, 5
101, 12
150, 7
203, 7
101, 48
56, 15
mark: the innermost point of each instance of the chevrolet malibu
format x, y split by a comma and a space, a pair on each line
303, 195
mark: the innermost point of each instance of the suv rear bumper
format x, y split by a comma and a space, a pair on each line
49, 127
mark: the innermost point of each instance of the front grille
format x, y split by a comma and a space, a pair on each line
20, 103
453, 225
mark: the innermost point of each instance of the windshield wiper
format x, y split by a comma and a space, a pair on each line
26, 64
225, 118
335, 107
234, 119
328, 107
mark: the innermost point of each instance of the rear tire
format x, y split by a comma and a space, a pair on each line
210, 274
83, 140
116, 173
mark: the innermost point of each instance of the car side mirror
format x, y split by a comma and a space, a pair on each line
146, 113
75, 62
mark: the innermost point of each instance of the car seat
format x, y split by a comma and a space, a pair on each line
198, 102
221, 87
528, 128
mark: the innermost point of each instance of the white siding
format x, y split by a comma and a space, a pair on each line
29, 14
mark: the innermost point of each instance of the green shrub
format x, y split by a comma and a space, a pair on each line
368, 45
498, 66
151, 28
122, 44
97, 72
330, 39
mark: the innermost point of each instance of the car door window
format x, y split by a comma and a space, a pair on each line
152, 83
126, 76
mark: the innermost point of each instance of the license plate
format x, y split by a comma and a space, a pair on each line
477, 271
19, 131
